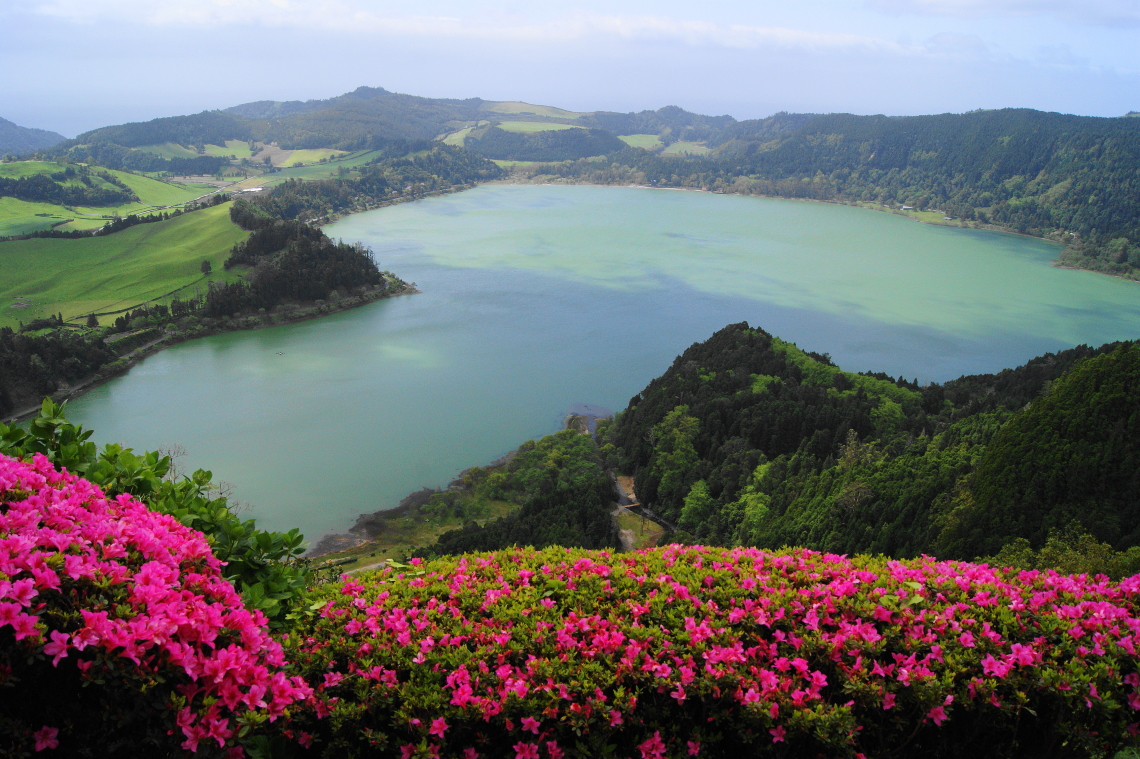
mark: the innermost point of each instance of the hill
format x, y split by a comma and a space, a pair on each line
1068, 178
17, 139
747, 440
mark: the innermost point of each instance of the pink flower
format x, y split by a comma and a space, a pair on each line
438, 727
553, 750
694, 748
654, 748
888, 701
531, 724
46, 737
615, 718
938, 714
778, 733
470, 753
526, 751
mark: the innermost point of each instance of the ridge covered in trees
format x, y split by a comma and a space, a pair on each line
747, 440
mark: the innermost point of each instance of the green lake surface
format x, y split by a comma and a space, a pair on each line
538, 298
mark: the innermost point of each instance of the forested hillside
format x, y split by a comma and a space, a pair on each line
1073, 178
16, 139
748, 440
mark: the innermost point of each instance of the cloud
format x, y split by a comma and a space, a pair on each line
361, 16
1114, 13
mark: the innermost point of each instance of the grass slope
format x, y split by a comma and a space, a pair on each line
646, 141
685, 147
21, 217
102, 274
527, 109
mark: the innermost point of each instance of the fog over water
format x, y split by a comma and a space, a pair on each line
536, 299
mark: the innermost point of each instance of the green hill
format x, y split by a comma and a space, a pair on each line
103, 274
37, 195
17, 140
746, 440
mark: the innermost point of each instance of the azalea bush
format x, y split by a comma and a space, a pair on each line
119, 635
264, 566
694, 651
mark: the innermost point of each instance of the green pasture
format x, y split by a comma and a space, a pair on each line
235, 148
685, 147
458, 138
312, 156
170, 150
100, 274
532, 126
19, 217
18, 169
527, 109
646, 141
153, 192
315, 171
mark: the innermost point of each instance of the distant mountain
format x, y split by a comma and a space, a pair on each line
17, 139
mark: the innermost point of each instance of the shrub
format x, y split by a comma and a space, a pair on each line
264, 566
119, 636
713, 652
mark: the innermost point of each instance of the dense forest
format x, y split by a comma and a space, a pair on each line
548, 145
747, 440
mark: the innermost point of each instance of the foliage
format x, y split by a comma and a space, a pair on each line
264, 566
564, 493
36, 364
1070, 551
548, 145
791, 450
713, 652
119, 635
1073, 454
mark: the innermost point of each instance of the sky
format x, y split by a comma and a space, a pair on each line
74, 65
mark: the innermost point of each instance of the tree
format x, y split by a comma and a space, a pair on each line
207, 267
92, 321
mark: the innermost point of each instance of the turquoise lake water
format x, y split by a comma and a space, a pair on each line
539, 298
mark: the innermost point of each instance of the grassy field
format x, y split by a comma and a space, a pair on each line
315, 171
170, 150
457, 138
100, 274
19, 217
153, 192
18, 169
235, 148
527, 109
685, 147
312, 156
647, 141
532, 126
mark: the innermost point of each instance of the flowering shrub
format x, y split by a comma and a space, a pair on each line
695, 651
118, 634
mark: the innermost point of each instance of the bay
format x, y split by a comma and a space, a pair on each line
538, 298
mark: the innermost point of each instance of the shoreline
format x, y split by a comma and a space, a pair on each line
978, 226
298, 313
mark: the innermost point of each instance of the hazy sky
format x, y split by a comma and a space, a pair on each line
73, 65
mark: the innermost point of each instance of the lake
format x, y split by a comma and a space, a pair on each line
538, 298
